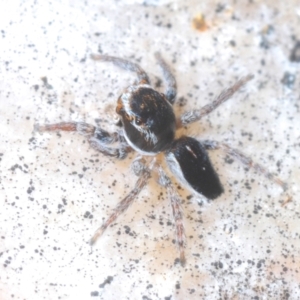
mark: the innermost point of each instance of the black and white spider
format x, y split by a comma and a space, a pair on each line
148, 125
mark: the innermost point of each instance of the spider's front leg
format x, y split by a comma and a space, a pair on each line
247, 161
98, 137
126, 65
171, 86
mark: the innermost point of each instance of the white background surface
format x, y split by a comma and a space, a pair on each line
55, 191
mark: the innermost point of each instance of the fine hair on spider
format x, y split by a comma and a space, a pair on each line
148, 126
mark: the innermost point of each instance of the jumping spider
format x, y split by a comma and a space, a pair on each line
148, 126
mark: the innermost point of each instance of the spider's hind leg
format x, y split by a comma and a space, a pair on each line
98, 137
126, 65
165, 181
247, 161
171, 89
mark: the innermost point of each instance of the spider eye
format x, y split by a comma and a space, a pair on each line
138, 121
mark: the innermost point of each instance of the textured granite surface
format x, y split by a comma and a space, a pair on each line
55, 191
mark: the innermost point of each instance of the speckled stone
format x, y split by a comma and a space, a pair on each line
56, 191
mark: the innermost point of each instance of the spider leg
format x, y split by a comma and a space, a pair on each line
98, 138
165, 181
81, 128
247, 161
195, 115
117, 152
126, 65
125, 203
171, 89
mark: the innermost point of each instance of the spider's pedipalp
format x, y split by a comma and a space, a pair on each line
119, 152
165, 181
125, 203
126, 65
171, 86
195, 115
247, 161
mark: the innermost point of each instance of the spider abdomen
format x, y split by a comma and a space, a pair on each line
189, 161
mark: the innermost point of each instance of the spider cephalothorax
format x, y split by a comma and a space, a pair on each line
148, 126
148, 119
